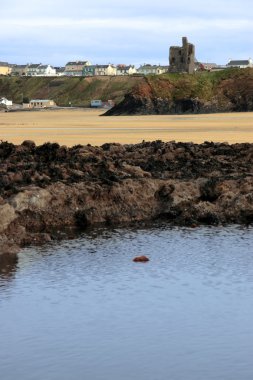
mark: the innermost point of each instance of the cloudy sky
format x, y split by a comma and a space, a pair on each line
133, 31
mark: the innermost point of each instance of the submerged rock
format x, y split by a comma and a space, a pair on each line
141, 259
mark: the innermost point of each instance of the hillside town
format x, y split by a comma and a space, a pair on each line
78, 69
86, 69
181, 59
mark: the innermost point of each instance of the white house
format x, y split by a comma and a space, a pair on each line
125, 70
241, 64
147, 69
105, 70
5, 102
39, 70
45, 71
96, 103
40, 103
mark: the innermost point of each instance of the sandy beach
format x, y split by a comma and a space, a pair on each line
81, 126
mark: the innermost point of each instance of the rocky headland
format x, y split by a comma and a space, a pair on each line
48, 189
226, 91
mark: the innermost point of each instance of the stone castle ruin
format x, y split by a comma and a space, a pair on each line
182, 59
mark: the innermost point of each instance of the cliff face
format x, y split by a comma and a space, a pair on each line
48, 189
227, 91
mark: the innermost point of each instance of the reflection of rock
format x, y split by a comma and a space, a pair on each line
141, 259
8, 263
8, 249
51, 188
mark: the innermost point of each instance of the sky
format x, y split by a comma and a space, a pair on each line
131, 32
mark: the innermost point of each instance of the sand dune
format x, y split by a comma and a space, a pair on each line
71, 127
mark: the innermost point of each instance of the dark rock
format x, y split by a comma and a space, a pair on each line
29, 144
141, 259
49, 188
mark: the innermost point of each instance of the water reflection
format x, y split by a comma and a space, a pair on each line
86, 311
8, 268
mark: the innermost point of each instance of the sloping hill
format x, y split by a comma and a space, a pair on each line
63, 90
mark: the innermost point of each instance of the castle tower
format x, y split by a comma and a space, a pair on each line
182, 59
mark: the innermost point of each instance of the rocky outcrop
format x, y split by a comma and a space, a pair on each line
227, 91
138, 105
49, 189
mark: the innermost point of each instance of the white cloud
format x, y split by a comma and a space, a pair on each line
151, 25
137, 30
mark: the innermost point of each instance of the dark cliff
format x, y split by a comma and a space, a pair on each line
226, 91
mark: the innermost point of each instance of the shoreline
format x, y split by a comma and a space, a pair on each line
51, 188
72, 127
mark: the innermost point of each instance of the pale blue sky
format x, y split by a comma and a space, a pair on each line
133, 31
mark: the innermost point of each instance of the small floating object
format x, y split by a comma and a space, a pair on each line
141, 259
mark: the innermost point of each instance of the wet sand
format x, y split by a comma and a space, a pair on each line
71, 127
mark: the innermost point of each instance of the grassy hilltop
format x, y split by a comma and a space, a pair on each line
63, 90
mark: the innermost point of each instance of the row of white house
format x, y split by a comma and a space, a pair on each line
34, 103
85, 68
80, 68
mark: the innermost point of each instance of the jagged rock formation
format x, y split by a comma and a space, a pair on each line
49, 188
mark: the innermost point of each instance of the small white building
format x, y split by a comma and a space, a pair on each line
147, 69
39, 70
96, 103
40, 103
241, 64
45, 71
126, 70
5, 102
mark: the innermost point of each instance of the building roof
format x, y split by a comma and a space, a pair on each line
103, 66
125, 67
79, 63
40, 100
244, 62
20, 66
33, 65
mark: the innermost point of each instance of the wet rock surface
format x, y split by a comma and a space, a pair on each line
48, 189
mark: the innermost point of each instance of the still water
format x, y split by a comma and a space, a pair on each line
82, 310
